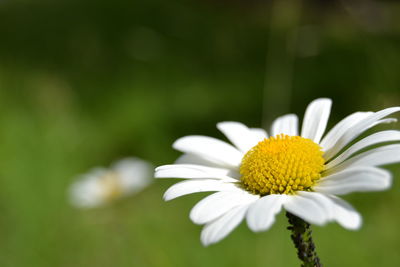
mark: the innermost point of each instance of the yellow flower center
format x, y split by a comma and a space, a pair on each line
282, 165
112, 188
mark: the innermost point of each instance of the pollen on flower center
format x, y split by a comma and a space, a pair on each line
282, 165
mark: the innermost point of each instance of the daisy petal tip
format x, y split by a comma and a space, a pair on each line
391, 110
162, 172
222, 124
316, 118
252, 225
387, 179
173, 192
209, 238
195, 218
183, 142
205, 241
157, 174
258, 228
167, 196
355, 224
323, 99
159, 168
391, 120
317, 222
178, 142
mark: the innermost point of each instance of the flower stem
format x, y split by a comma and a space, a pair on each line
301, 237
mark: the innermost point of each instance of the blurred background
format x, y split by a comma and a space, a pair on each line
83, 83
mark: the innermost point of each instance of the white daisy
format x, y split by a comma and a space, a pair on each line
101, 185
302, 173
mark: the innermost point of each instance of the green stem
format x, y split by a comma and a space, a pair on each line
301, 237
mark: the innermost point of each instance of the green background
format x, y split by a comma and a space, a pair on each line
83, 83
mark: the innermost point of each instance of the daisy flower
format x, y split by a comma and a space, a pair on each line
301, 171
101, 185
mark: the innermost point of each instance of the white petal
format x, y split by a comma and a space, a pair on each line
287, 124
261, 214
239, 134
340, 128
197, 160
221, 227
192, 171
219, 203
305, 206
259, 133
88, 191
357, 129
199, 185
374, 157
345, 214
86, 194
332, 151
321, 200
208, 147
358, 179
133, 174
316, 119
384, 121
380, 137
334, 209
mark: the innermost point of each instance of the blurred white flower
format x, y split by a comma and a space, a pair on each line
102, 185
